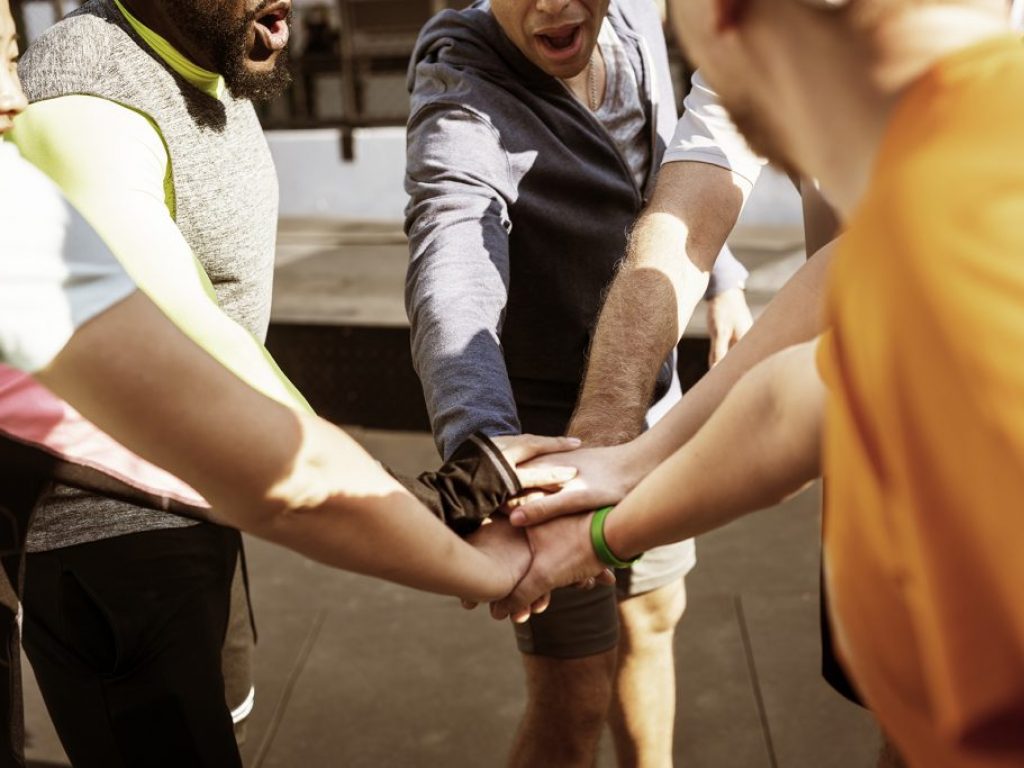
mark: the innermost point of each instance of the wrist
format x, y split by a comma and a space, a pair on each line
636, 459
600, 544
493, 578
642, 456
616, 536
603, 432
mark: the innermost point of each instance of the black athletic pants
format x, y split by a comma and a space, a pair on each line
125, 638
24, 478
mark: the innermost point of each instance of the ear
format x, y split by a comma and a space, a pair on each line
729, 14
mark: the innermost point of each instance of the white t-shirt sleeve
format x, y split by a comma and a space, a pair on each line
55, 272
706, 134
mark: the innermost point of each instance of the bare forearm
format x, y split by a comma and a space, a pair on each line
673, 246
795, 315
286, 476
638, 327
762, 445
340, 507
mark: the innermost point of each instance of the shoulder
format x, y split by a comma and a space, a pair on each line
948, 211
91, 135
103, 157
455, 140
456, 58
78, 51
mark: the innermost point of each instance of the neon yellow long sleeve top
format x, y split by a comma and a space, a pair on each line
112, 165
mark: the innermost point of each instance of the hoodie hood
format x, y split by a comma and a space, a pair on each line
472, 39
464, 57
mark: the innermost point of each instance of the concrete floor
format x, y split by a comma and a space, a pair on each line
354, 672
359, 673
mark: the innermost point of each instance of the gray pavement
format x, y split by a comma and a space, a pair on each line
356, 672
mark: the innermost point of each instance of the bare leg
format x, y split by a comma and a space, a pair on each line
567, 706
643, 710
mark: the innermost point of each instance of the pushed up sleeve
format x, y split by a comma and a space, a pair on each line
471, 486
706, 134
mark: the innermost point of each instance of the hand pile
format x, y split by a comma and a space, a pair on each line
544, 543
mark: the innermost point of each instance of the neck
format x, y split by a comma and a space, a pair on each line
835, 134
153, 14
588, 86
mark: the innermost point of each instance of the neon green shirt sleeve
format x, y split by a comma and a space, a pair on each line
111, 163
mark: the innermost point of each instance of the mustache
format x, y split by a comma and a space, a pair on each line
261, 9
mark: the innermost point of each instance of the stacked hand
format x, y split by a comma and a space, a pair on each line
537, 560
561, 486
562, 555
552, 519
601, 476
523, 452
508, 549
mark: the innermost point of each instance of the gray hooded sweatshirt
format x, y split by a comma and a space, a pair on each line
520, 205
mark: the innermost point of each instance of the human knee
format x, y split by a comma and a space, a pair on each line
653, 614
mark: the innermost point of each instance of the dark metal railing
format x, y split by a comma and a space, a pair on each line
352, 44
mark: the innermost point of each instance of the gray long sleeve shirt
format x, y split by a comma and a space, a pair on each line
519, 210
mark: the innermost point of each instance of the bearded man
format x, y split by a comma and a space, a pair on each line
142, 113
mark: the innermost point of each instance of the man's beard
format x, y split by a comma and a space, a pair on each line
209, 25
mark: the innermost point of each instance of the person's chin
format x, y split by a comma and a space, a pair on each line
565, 69
263, 66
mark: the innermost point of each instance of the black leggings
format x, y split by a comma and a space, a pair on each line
125, 638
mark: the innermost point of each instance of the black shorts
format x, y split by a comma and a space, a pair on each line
831, 669
582, 623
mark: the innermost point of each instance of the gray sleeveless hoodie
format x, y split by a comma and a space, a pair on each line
225, 203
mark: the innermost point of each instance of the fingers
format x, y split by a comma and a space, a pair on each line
520, 448
719, 346
539, 508
521, 616
517, 605
501, 610
469, 605
545, 477
514, 503
605, 578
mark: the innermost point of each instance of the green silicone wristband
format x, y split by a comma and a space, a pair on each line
601, 549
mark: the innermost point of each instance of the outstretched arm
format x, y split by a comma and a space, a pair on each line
457, 283
111, 164
795, 315
606, 474
672, 249
770, 428
278, 473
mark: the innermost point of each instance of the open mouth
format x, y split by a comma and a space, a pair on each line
271, 30
562, 42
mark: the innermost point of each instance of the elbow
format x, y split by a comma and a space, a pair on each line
790, 399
